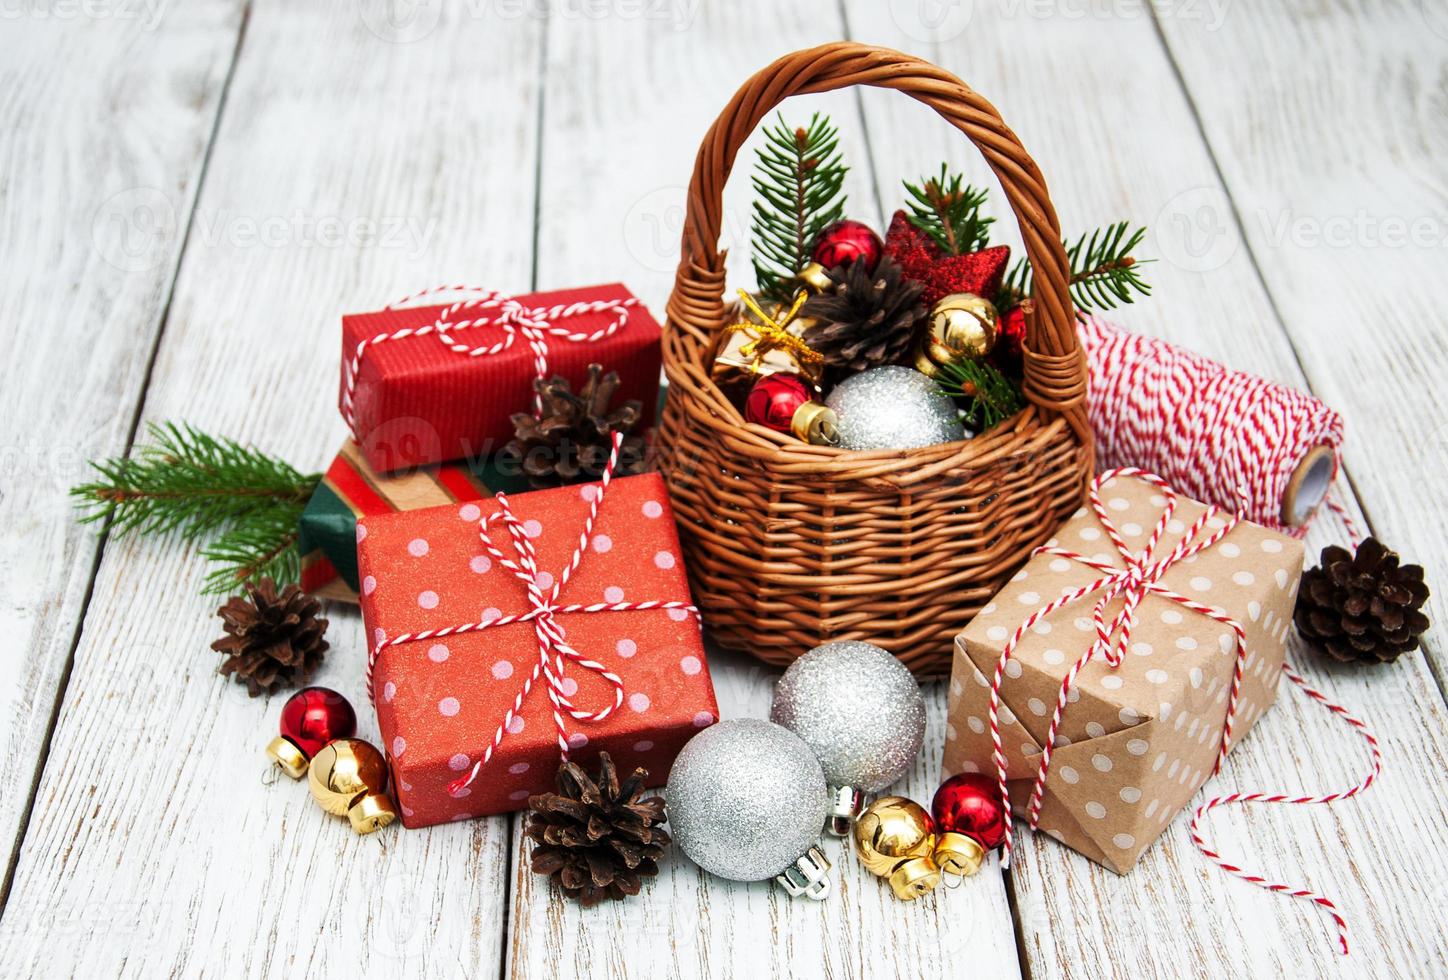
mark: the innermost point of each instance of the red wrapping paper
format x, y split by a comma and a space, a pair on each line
440, 702
415, 402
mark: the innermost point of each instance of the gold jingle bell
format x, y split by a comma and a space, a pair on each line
958, 854
894, 839
349, 778
963, 326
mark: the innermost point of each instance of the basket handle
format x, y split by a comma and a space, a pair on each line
1055, 366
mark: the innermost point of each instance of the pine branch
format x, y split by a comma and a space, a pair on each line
203, 486
948, 210
263, 547
989, 397
1104, 273
189, 480
798, 181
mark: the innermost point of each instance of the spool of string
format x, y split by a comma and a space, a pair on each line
1225, 437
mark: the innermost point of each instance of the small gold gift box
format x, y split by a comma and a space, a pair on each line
765, 343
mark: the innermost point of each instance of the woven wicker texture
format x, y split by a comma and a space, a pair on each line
791, 545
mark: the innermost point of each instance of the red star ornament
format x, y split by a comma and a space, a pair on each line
922, 260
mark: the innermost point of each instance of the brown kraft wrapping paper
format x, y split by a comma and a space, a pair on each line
1137, 742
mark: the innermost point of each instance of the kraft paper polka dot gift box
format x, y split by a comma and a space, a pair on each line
1134, 742
470, 719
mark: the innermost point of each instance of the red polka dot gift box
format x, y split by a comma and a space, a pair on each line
503, 630
424, 384
1129, 655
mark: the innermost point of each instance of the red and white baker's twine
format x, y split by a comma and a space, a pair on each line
1295, 891
1141, 577
1217, 435
544, 609
489, 308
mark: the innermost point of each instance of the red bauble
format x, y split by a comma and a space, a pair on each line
785, 403
311, 718
845, 241
315, 716
922, 260
774, 399
970, 804
1010, 341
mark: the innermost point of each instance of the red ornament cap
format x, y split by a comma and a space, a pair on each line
310, 719
845, 241
922, 260
970, 804
784, 403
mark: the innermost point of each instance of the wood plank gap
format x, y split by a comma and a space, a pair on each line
1350, 486
511, 859
1211, 151
539, 145
847, 32
43, 756
1023, 959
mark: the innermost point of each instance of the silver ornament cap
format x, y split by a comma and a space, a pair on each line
808, 876
746, 799
861, 712
893, 407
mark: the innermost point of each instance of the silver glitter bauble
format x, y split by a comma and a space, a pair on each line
746, 799
858, 708
893, 408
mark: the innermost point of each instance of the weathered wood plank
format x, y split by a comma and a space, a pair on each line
348, 170
627, 102
106, 117
1116, 138
1349, 232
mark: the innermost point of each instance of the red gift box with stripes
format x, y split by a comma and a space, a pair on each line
504, 630
432, 383
350, 489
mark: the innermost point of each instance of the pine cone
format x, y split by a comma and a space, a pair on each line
570, 443
865, 320
597, 839
1364, 607
271, 640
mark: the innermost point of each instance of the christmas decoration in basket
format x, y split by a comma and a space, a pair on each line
933, 387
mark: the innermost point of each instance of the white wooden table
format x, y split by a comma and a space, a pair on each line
193, 192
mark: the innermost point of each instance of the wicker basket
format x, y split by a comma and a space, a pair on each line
791, 545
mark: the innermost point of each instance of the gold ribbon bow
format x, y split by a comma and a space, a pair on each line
772, 334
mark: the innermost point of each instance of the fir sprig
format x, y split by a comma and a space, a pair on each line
1104, 272
948, 210
263, 546
799, 178
201, 486
987, 396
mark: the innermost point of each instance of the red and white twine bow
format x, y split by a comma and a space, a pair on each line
554, 651
535, 324
1141, 577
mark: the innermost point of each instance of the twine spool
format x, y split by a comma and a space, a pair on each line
1224, 437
